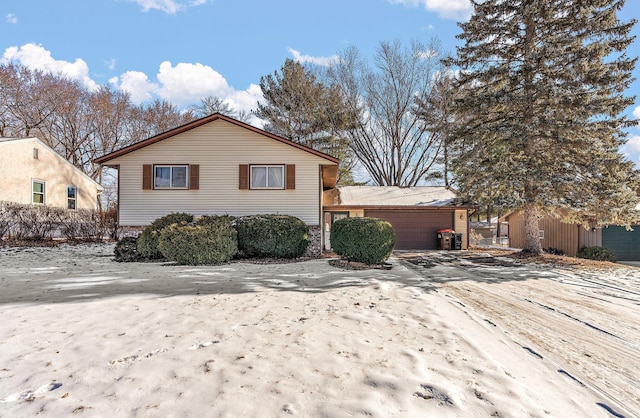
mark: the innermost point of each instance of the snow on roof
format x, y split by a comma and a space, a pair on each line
390, 196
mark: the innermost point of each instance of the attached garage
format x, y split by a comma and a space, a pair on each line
415, 229
624, 244
416, 213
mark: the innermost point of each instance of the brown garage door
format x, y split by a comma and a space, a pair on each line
415, 229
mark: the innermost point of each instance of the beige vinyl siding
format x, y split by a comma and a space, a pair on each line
460, 225
18, 168
218, 148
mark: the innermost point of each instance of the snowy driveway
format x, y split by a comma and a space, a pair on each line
587, 323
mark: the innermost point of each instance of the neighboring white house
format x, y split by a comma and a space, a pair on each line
33, 173
218, 165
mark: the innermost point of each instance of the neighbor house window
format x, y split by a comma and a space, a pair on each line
267, 176
72, 192
170, 177
37, 191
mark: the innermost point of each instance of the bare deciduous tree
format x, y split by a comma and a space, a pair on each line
391, 141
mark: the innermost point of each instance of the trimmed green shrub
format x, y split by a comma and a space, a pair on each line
216, 220
365, 240
280, 236
596, 253
126, 250
213, 241
148, 239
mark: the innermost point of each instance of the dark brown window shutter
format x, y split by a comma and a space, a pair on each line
146, 176
244, 177
291, 176
194, 176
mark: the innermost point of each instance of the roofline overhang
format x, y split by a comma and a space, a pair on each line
202, 121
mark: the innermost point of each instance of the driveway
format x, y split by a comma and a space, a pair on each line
586, 322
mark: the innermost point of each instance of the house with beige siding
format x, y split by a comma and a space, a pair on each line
220, 166
33, 173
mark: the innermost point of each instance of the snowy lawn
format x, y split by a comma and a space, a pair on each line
453, 334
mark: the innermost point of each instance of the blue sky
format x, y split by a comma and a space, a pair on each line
181, 50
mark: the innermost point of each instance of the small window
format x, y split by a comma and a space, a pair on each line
541, 233
267, 176
38, 192
35, 153
170, 177
72, 192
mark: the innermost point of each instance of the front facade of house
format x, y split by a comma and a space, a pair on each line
33, 173
416, 213
220, 166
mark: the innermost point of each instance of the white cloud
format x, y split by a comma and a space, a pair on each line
111, 64
186, 83
167, 6
428, 54
631, 149
636, 112
323, 61
182, 85
11, 18
137, 84
36, 57
245, 99
450, 9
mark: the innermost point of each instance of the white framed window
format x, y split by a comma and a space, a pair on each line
541, 233
170, 176
38, 191
267, 176
72, 197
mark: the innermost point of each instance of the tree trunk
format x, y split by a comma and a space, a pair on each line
531, 230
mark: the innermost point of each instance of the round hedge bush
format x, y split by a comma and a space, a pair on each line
279, 236
365, 240
596, 253
211, 241
148, 239
126, 250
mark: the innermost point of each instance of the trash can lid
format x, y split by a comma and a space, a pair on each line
445, 230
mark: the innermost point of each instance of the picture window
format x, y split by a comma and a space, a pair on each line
267, 176
170, 177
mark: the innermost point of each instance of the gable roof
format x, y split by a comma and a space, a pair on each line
202, 121
38, 141
390, 197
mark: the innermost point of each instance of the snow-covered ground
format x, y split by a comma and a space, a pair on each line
446, 334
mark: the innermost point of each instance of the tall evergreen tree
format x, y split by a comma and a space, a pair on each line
541, 90
300, 108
